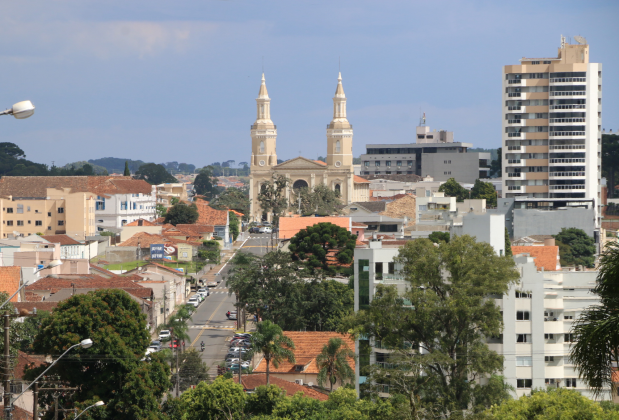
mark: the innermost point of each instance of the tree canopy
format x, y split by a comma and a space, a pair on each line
320, 200
575, 247
233, 199
181, 213
272, 197
438, 237
484, 190
312, 244
205, 183
154, 174
452, 188
273, 344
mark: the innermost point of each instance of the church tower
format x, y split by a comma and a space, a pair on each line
263, 133
339, 132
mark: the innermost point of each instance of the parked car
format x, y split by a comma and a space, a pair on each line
254, 229
245, 364
203, 291
211, 284
241, 335
231, 356
234, 350
156, 343
164, 335
265, 229
152, 349
194, 300
174, 344
235, 368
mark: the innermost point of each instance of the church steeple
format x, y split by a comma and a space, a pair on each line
339, 132
263, 132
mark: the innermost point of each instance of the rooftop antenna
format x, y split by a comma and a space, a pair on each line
263, 64
562, 41
580, 39
422, 119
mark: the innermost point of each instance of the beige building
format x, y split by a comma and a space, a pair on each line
166, 192
552, 120
337, 173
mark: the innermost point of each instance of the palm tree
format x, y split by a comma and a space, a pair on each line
270, 340
596, 348
333, 362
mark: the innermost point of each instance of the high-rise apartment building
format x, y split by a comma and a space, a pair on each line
552, 119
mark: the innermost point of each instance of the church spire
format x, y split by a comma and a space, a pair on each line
263, 103
339, 90
339, 104
263, 94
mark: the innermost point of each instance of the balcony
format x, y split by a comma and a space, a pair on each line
578, 106
566, 120
513, 161
568, 160
566, 174
514, 147
514, 187
568, 147
567, 187
566, 133
514, 108
514, 121
514, 134
568, 80
569, 93
390, 279
514, 81
514, 175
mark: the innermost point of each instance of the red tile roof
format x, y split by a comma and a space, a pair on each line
83, 282
61, 239
358, 180
19, 413
36, 186
40, 306
145, 240
9, 280
210, 216
27, 361
290, 226
545, 256
141, 222
321, 162
101, 271
251, 382
308, 345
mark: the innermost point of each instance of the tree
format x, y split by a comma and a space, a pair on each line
326, 303
192, 370
272, 197
223, 399
161, 210
575, 247
451, 188
596, 350
438, 237
610, 160
264, 399
117, 327
275, 347
127, 172
186, 168
484, 190
446, 313
28, 330
321, 201
551, 404
313, 243
205, 183
182, 213
496, 166
233, 199
508, 244
154, 174
332, 363
235, 225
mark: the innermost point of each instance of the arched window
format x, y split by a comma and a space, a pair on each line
261, 147
337, 147
338, 189
300, 183
262, 110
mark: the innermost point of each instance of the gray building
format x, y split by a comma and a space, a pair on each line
435, 154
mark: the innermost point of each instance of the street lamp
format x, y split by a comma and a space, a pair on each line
97, 404
85, 344
20, 110
52, 264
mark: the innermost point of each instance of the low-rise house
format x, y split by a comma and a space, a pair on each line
253, 381
308, 345
371, 214
219, 219
290, 226
137, 226
10, 280
69, 247
166, 192
191, 233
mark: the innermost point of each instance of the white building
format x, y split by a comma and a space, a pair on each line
131, 200
552, 120
538, 314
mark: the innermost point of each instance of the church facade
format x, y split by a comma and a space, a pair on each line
337, 173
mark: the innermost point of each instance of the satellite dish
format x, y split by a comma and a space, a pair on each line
580, 39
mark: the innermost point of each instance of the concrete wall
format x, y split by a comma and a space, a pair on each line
464, 167
540, 222
489, 228
505, 207
120, 254
128, 231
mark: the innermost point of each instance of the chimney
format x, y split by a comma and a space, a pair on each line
549, 242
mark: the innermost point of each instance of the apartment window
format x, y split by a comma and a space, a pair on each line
366, 163
9, 223
100, 204
28, 208
388, 163
568, 316
60, 209
135, 206
523, 295
123, 205
49, 228
9, 209
522, 315
399, 163
524, 360
523, 338
549, 358
534, 62
38, 223
524, 383
549, 336
49, 214
29, 222
546, 62
60, 222
20, 209
569, 338
409, 162
377, 163
391, 267
124, 222
570, 382
378, 270
20, 223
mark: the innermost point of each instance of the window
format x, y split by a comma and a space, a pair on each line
100, 204
534, 62
49, 228
29, 222
388, 163
570, 382
522, 315
391, 267
409, 163
337, 147
49, 214
524, 383
338, 188
123, 205
9, 209
546, 62
399, 163
38, 223
60, 222
523, 360
568, 316
549, 336
20, 223
9, 223
366, 163
377, 163
378, 270
28, 208
60, 209
523, 338
16, 388
569, 338
523, 295
549, 358
261, 147
20, 208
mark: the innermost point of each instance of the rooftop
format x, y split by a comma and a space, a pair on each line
36, 186
546, 257
9, 280
210, 216
251, 382
61, 239
290, 226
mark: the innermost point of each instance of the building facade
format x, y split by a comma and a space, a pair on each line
434, 154
337, 172
166, 192
552, 119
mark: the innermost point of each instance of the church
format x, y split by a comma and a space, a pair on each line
337, 173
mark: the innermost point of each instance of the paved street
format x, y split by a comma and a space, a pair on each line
209, 322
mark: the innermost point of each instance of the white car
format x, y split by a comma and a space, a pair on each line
211, 284
164, 335
203, 291
194, 300
265, 229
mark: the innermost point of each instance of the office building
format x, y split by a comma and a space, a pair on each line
434, 154
552, 119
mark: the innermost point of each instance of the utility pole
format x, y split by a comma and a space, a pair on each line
177, 372
35, 403
164, 302
7, 366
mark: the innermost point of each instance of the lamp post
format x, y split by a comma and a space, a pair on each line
20, 110
97, 404
8, 401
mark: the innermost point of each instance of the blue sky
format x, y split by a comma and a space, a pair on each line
162, 81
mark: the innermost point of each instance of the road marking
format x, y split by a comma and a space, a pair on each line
209, 320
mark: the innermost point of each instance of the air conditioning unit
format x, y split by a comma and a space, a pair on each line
310, 384
298, 381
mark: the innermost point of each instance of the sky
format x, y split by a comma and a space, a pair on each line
177, 80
